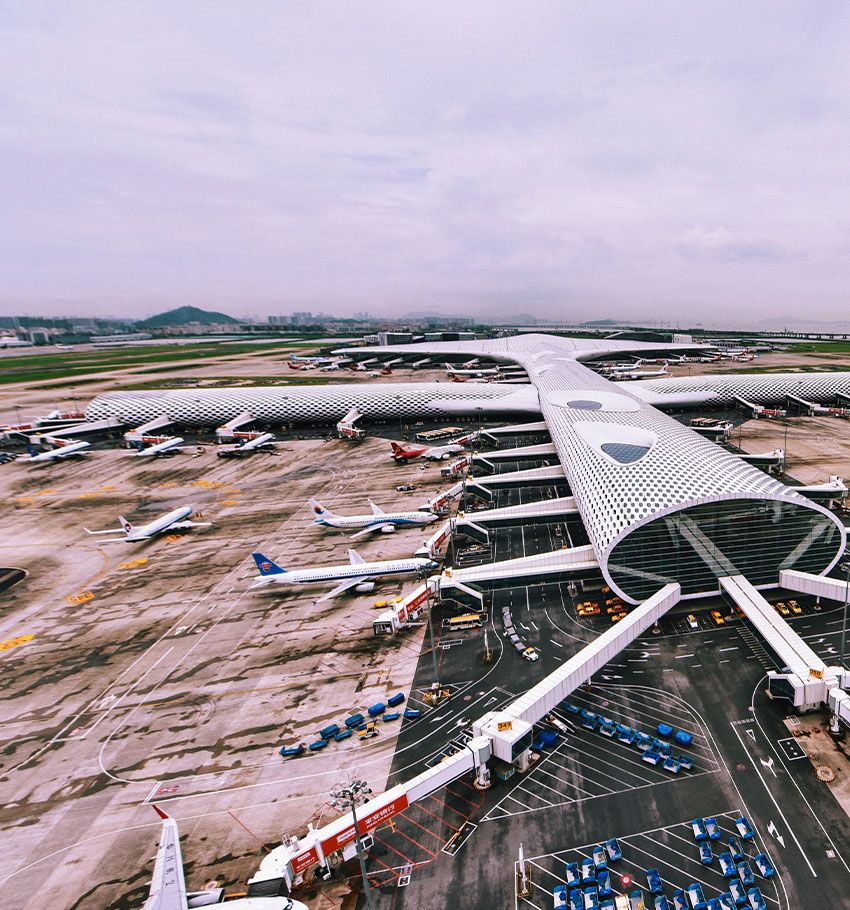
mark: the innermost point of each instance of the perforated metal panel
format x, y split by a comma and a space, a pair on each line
212, 407
763, 388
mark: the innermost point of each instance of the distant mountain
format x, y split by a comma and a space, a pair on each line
184, 315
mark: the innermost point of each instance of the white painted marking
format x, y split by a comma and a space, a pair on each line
771, 829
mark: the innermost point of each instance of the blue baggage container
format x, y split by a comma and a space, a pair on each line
682, 738
395, 700
343, 735
354, 721
319, 744
329, 732
375, 710
394, 715
549, 738
286, 751
412, 712
665, 731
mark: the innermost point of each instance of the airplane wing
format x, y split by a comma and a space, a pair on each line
343, 586
110, 531
168, 886
190, 524
376, 510
371, 528
355, 558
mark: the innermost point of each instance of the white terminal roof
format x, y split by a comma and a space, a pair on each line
626, 462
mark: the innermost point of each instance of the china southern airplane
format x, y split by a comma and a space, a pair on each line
379, 520
168, 885
174, 520
62, 450
167, 446
359, 574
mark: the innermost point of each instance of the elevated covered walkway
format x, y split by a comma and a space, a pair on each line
529, 569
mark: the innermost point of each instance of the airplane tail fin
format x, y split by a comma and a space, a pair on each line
267, 566
664, 368
397, 449
449, 368
32, 450
125, 524
139, 446
319, 510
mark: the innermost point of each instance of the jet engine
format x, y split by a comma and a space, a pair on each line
366, 587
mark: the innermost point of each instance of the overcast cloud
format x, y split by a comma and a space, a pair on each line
676, 161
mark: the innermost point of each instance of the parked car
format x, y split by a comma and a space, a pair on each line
738, 892
706, 857
695, 896
745, 873
713, 828
757, 902
573, 877
745, 829
613, 848
765, 865
653, 879
559, 897
727, 865
699, 829
717, 616
406, 488
588, 872
736, 848
600, 859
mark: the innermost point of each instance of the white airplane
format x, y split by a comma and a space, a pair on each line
359, 574
168, 445
434, 453
477, 371
168, 885
625, 375
172, 521
62, 450
246, 448
379, 520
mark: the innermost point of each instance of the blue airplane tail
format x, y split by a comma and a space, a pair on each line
32, 450
267, 566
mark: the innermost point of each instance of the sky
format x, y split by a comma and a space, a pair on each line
658, 161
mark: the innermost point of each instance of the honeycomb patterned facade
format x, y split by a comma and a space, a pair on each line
323, 403
671, 473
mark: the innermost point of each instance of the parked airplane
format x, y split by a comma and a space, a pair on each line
263, 441
625, 375
359, 574
63, 450
379, 520
434, 453
168, 885
167, 446
477, 371
174, 520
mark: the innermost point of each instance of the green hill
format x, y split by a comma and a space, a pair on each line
184, 315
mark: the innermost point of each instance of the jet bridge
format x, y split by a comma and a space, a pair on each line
142, 433
543, 450
544, 509
510, 729
807, 679
227, 432
517, 429
542, 567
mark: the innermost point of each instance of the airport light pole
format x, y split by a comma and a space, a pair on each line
346, 796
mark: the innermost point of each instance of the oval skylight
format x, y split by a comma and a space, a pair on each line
624, 452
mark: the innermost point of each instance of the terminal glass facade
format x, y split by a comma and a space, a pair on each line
694, 546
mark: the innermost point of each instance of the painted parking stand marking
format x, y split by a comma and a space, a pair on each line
791, 748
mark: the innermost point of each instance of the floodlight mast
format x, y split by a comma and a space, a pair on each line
347, 796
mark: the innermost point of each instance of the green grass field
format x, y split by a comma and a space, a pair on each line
68, 364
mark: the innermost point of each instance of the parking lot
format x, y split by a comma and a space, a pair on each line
671, 850
588, 765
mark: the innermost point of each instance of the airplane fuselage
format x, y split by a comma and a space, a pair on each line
143, 532
366, 521
365, 570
